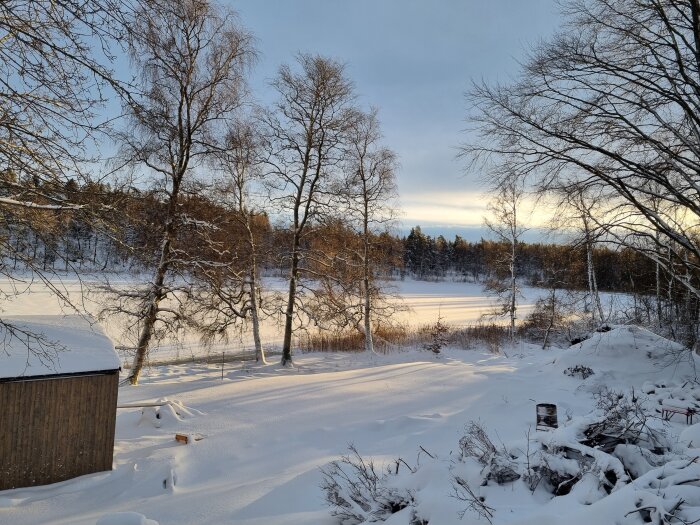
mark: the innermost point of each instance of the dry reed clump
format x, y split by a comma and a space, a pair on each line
385, 338
493, 336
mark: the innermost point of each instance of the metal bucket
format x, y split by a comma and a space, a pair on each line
546, 416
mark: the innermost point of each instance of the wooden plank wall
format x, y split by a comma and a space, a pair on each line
56, 429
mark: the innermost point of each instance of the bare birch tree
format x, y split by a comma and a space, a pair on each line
350, 260
233, 293
371, 188
506, 224
581, 211
306, 133
191, 57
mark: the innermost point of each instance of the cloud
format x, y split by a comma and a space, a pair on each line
462, 209
454, 208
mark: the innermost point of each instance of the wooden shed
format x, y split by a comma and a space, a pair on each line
59, 377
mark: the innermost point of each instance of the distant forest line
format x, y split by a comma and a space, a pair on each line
128, 240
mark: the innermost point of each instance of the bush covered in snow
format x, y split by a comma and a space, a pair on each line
581, 371
360, 493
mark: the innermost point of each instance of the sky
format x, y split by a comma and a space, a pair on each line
414, 60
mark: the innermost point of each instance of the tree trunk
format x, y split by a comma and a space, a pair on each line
259, 352
253, 276
589, 272
548, 331
513, 293
369, 342
16, 254
289, 312
659, 311
156, 296
144, 341
596, 306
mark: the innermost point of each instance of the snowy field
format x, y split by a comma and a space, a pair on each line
458, 303
259, 435
264, 432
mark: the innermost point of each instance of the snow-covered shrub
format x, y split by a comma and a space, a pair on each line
499, 465
582, 371
561, 465
558, 472
358, 493
476, 443
438, 336
669, 493
637, 460
624, 418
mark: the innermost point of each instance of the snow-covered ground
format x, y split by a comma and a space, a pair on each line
264, 432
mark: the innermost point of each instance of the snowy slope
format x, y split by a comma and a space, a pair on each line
624, 356
264, 432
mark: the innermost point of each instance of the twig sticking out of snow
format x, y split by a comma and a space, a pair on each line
463, 492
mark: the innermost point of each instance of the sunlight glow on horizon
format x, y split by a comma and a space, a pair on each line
464, 209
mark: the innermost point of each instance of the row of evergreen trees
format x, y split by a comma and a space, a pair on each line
426, 257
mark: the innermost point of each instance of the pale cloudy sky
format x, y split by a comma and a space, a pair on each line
414, 59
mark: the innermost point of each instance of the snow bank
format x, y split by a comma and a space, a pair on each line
628, 354
36, 345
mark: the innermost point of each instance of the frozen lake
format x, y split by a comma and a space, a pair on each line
458, 303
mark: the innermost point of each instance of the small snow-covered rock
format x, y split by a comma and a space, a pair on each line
648, 387
125, 518
170, 413
149, 416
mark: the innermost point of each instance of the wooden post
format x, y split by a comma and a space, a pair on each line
222, 365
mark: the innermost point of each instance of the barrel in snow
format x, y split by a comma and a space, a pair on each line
546, 416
